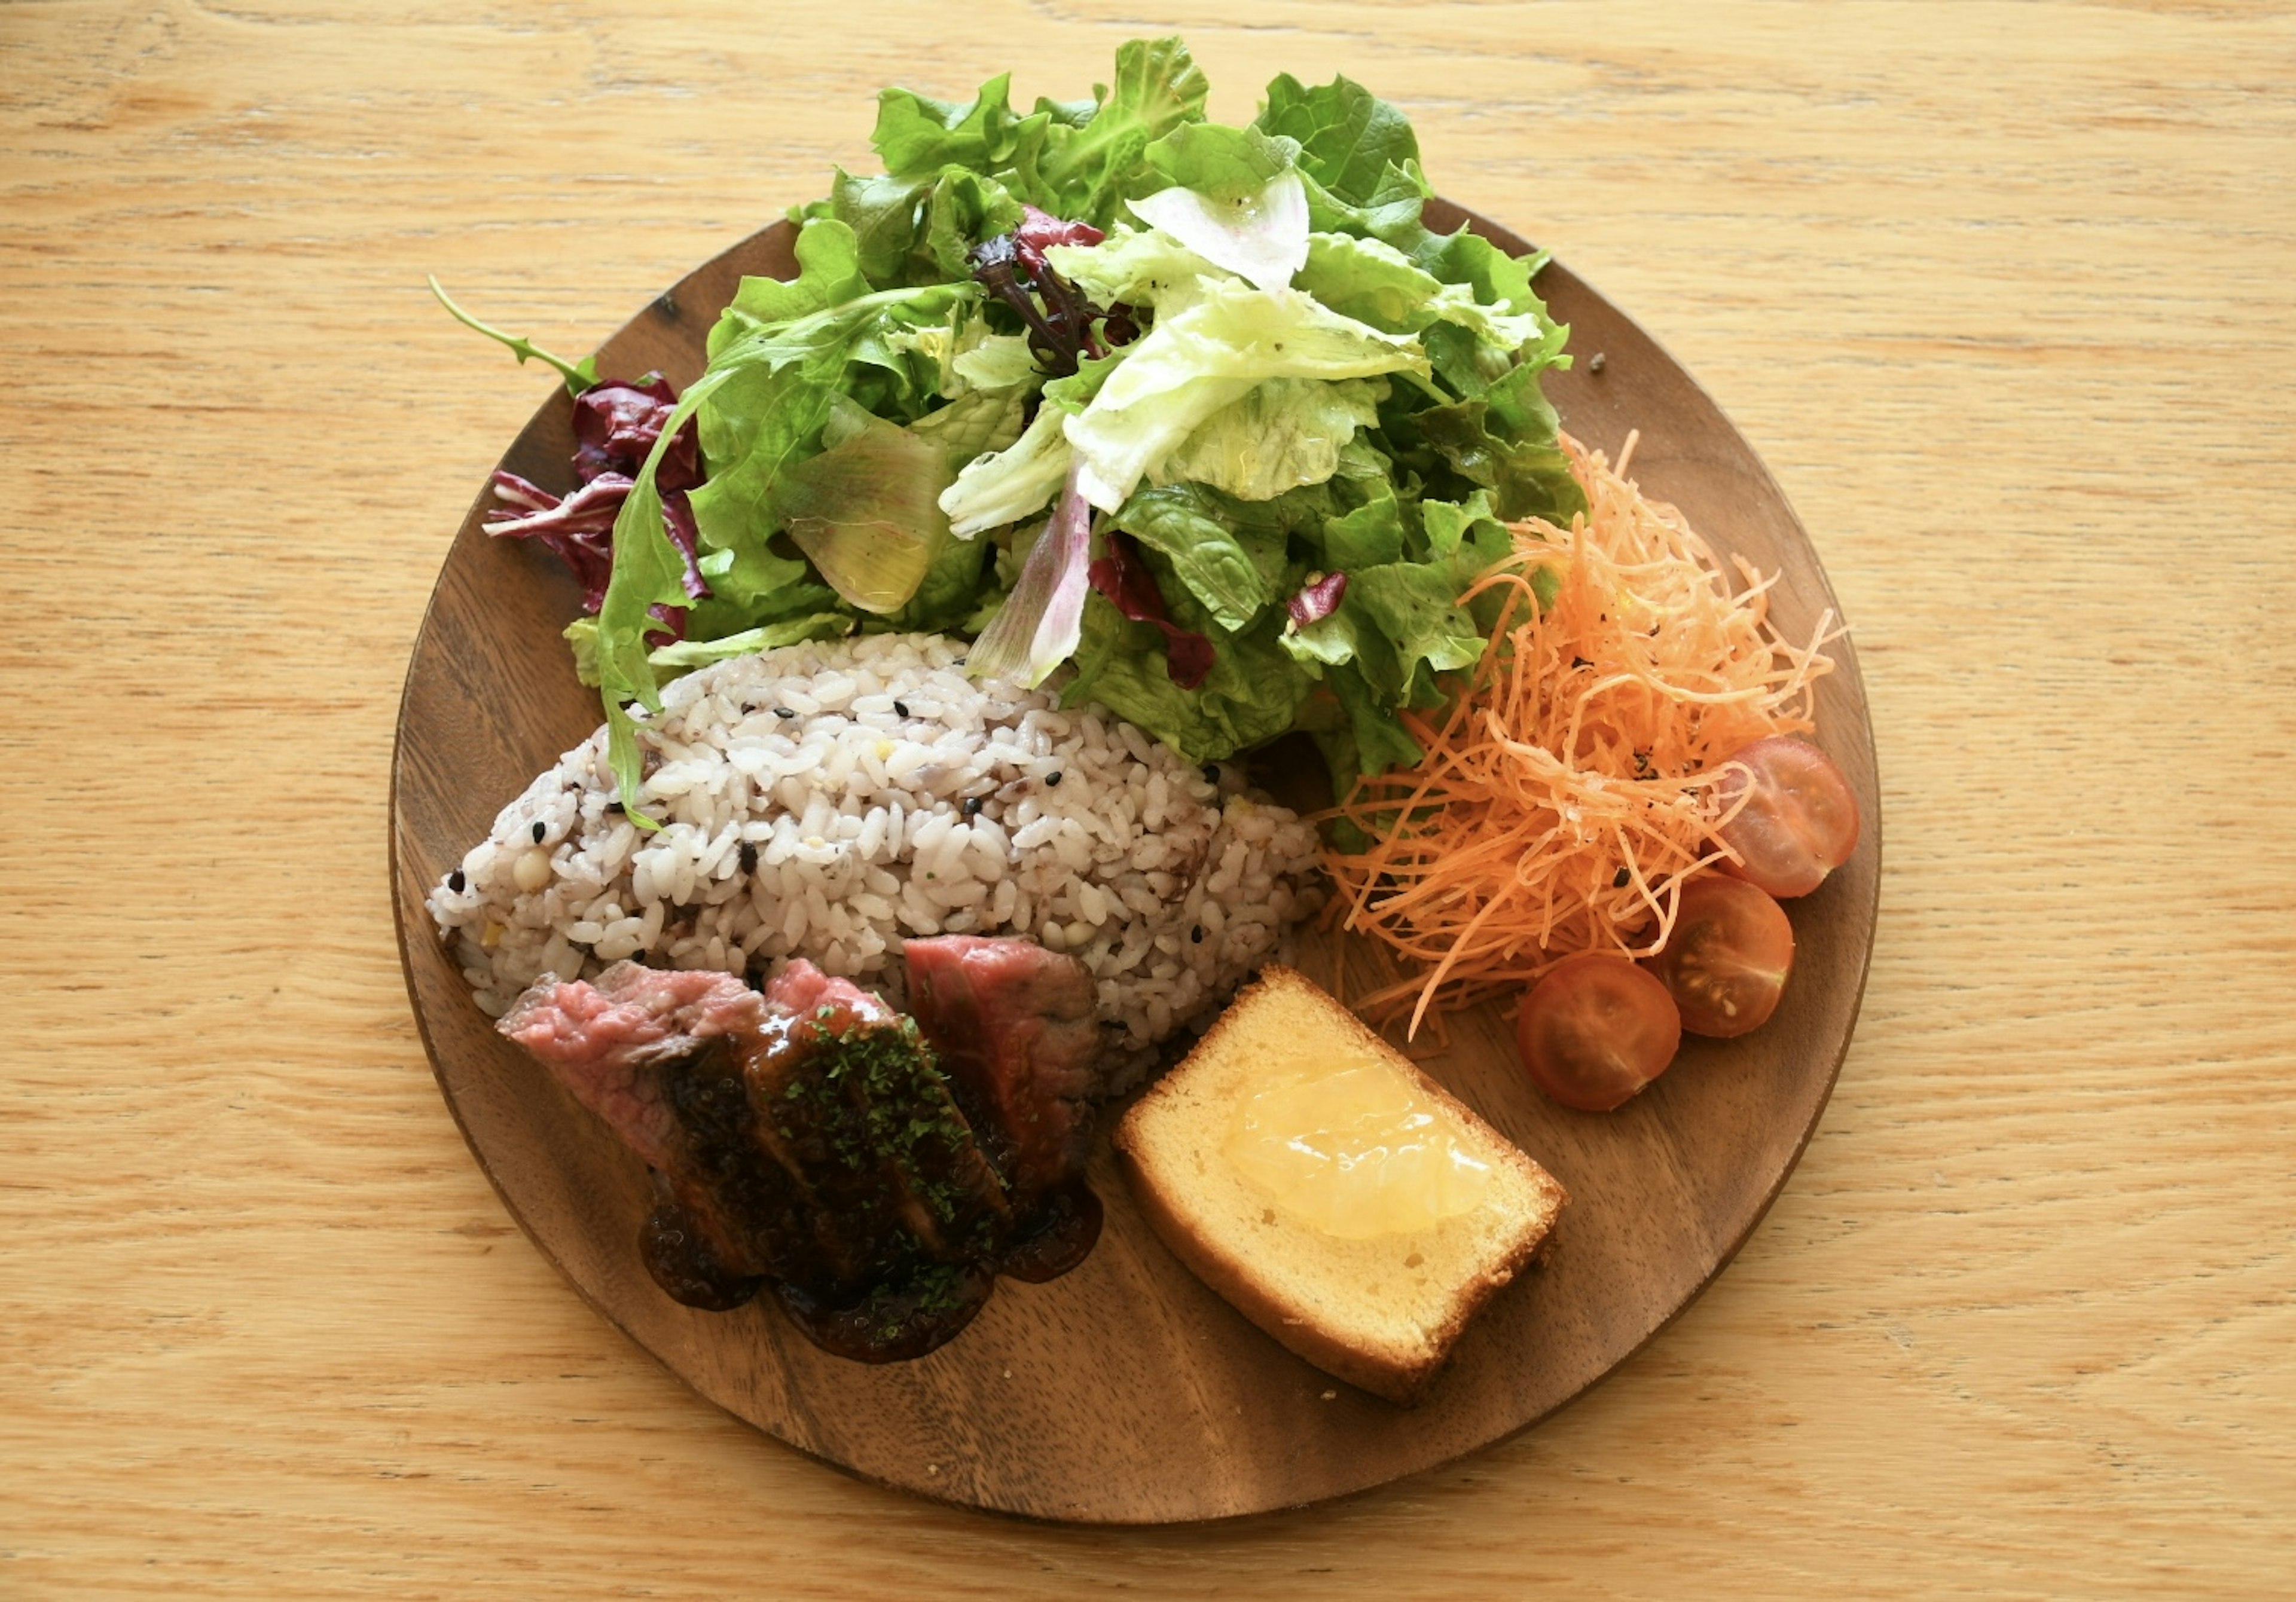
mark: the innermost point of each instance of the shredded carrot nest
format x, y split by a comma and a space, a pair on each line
1569, 789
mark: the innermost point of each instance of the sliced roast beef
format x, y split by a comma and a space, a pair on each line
601, 1039
1013, 1025
876, 1172
1014, 1028
803, 1136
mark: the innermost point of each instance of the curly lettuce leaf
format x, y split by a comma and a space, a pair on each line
1082, 169
1074, 158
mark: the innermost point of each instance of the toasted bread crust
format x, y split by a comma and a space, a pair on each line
1401, 1375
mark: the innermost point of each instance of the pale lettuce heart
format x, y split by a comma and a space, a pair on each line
1011, 484
977, 422
1137, 267
1213, 354
993, 361
1260, 235
1284, 433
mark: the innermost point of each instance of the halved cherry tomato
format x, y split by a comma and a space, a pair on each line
1595, 1030
1800, 822
1727, 962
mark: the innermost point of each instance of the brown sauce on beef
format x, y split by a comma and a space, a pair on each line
818, 1147
1056, 1236
890, 1323
677, 1253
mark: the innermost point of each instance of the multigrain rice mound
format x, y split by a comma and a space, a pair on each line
829, 800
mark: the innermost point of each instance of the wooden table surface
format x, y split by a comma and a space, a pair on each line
2002, 294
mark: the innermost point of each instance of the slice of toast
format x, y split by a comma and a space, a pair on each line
1370, 1275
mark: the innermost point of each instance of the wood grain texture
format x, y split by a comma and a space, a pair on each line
1999, 293
1124, 1393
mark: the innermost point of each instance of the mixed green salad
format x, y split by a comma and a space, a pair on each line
1198, 421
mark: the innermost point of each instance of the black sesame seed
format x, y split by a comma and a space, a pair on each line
784, 712
539, 831
1196, 934
456, 882
972, 807
1051, 780
749, 856
1621, 880
901, 708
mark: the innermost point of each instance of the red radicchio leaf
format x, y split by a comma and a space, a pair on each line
580, 528
1037, 626
1039, 229
1319, 599
616, 423
1130, 588
677, 522
672, 619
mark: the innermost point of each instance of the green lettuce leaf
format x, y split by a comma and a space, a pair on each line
784, 359
1252, 694
1219, 163
1080, 169
916, 133
681, 656
1232, 565
1348, 138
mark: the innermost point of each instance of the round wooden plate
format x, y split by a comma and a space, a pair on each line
1127, 1393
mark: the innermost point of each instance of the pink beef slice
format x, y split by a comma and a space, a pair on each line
802, 991
1014, 1026
694, 1072
599, 1039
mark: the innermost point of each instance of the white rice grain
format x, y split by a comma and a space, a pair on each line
837, 832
